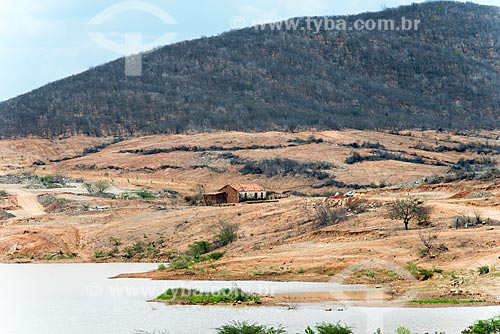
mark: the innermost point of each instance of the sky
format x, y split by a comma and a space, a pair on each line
45, 40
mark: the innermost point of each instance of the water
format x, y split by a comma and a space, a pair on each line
79, 299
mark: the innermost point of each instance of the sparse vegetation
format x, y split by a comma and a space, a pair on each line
55, 204
466, 222
60, 256
237, 327
483, 270
409, 210
90, 150
145, 194
429, 241
199, 248
403, 330
227, 234
327, 215
420, 273
367, 144
101, 187
45, 182
490, 326
99, 254
326, 328
446, 301
224, 296
380, 155
98, 188
284, 167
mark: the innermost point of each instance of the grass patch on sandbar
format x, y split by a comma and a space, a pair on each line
196, 297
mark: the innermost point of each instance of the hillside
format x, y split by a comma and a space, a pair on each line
446, 74
47, 212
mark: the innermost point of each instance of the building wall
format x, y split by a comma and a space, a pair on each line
232, 194
213, 199
252, 196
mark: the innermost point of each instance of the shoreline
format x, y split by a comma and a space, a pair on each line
356, 298
384, 298
294, 299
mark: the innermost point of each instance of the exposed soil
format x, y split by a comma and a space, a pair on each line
276, 241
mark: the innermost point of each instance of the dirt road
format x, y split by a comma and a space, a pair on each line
30, 207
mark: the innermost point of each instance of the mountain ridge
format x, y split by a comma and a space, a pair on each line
446, 74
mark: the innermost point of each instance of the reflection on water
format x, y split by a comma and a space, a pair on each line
79, 299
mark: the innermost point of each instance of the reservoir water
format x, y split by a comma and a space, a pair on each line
81, 299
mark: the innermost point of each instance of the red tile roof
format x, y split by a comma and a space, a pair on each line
246, 187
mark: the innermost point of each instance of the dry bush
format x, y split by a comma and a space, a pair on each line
429, 240
464, 222
327, 215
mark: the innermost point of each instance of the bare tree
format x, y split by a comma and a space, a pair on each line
428, 241
408, 210
327, 215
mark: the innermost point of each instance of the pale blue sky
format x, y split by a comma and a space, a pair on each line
45, 40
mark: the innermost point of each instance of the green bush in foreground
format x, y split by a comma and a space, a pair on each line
403, 330
325, 328
491, 326
237, 327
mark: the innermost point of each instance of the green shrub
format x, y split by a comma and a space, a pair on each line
403, 330
226, 235
412, 268
162, 267
237, 327
101, 186
199, 248
182, 262
325, 328
370, 274
491, 326
446, 301
425, 274
420, 273
99, 254
216, 256
113, 252
145, 194
135, 249
484, 270
187, 296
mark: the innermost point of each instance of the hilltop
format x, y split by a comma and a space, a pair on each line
446, 74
